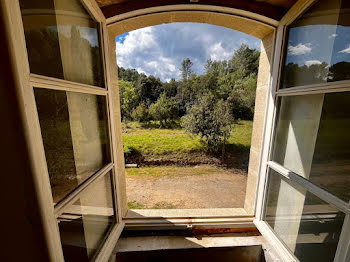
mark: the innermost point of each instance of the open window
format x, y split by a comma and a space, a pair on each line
244, 212
63, 54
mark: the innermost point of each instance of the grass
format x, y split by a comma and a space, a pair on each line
158, 142
135, 205
159, 205
158, 171
163, 205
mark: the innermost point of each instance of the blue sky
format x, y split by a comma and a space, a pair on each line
315, 44
159, 50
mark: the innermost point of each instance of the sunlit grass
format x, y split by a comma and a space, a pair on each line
135, 205
157, 142
158, 171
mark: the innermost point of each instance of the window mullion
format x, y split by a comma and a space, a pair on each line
321, 193
330, 87
64, 85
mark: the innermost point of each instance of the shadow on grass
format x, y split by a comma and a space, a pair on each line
236, 156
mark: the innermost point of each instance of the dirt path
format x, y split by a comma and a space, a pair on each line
224, 189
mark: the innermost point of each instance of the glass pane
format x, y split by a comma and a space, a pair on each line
318, 49
312, 139
62, 41
309, 226
75, 135
86, 223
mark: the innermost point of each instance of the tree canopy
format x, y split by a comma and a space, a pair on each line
207, 103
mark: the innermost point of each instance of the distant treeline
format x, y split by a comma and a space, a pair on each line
207, 104
232, 80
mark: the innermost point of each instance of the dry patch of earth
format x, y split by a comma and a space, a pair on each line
202, 186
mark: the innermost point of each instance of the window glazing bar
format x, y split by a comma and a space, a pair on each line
330, 87
64, 85
75, 194
319, 192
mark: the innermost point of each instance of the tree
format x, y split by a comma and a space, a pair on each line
224, 119
128, 98
140, 113
164, 109
186, 69
245, 57
170, 88
150, 90
210, 119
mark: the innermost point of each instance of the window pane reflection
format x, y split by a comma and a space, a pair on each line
75, 136
318, 48
86, 223
62, 41
312, 139
309, 226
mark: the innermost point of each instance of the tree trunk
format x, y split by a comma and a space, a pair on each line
223, 148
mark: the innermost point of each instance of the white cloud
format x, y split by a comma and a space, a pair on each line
218, 53
333, 36
159, 50
299, 49
312, 62
346, 50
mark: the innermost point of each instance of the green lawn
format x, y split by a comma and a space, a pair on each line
153, 142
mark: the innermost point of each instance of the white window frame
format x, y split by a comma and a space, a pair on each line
343, 249
25, 92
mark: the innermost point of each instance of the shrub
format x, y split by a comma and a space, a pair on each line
211, 120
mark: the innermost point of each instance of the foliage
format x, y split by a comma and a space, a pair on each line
186, 69
228, 86
130, 75
164, 109
128, 98
140, 113
150, 89
210, 119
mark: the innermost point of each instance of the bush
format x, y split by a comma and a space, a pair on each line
211, 120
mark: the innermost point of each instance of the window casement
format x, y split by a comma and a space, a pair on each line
303, 203
61, 53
